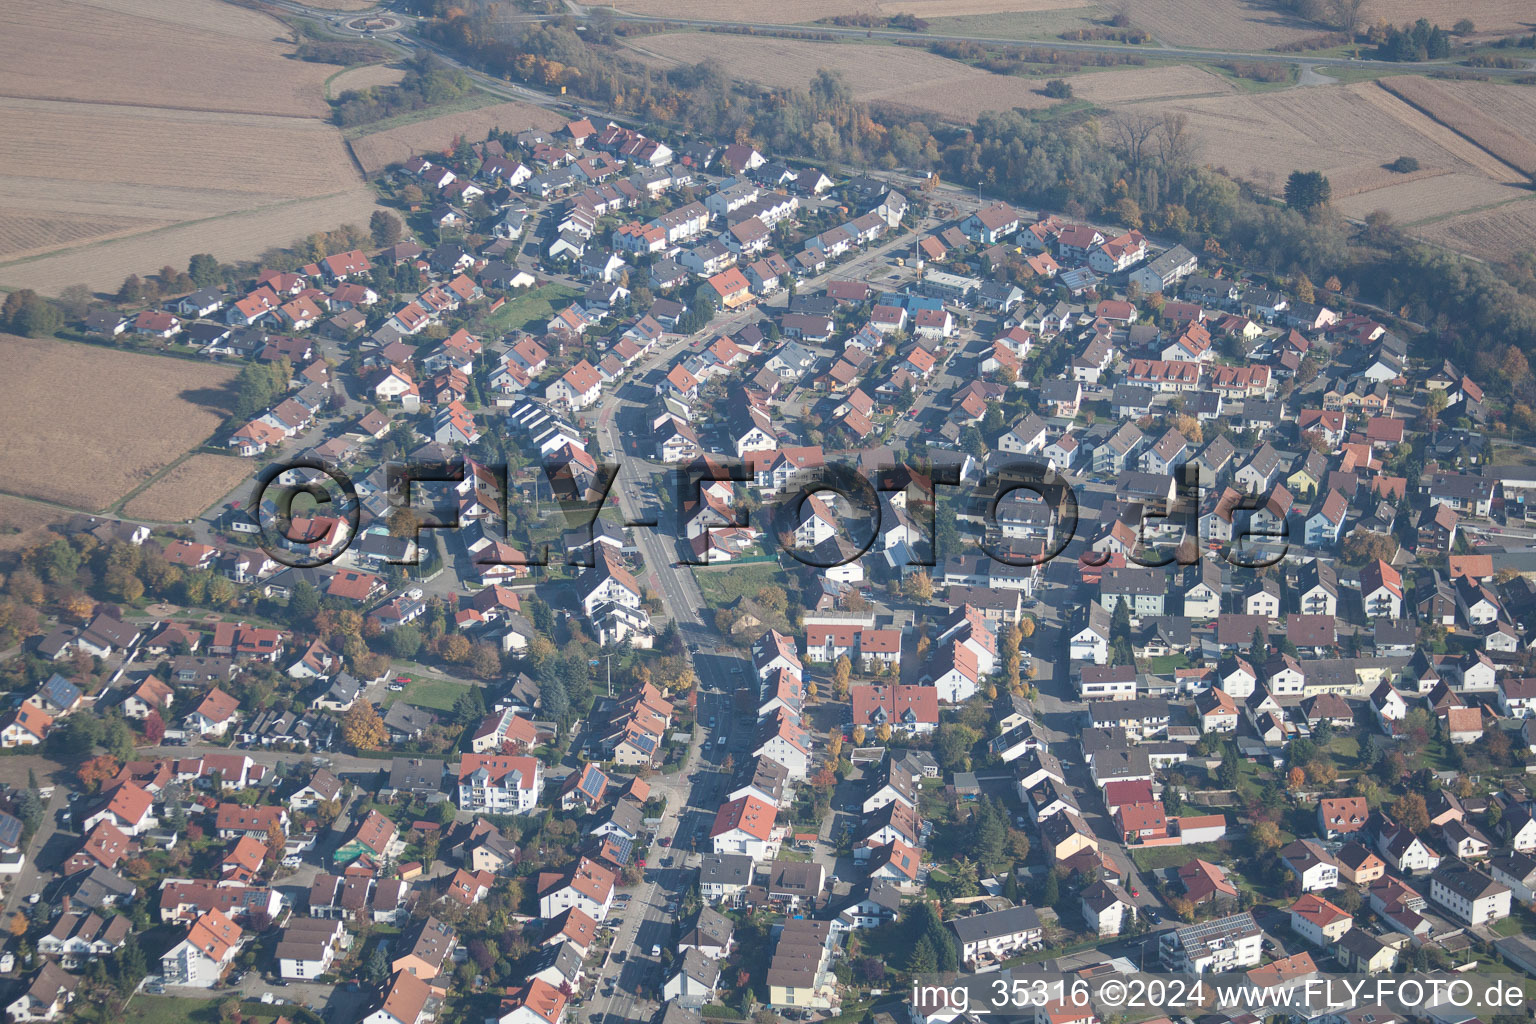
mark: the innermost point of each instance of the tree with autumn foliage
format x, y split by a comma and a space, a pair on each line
1296, 778
154, 728
842, 670
362, 728
1265, 835
918, 586
277, 839
97, 770
456, 647
1411, 812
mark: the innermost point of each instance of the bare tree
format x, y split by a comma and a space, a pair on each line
1133, 131
1347, 15
1175, 142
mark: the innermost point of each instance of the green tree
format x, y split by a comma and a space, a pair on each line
28, 313
923, 959
304, 605
991, 833
1227, 771
129, 965
470, 707
953, 746
1050, 890
554, 698
1307, 190
377, 968
204, 270
405, 641
1120, 622
386, 228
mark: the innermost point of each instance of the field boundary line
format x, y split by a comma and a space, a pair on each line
116, 508
34, 499
1466, 213
166, 106
1164, 99
1520, 176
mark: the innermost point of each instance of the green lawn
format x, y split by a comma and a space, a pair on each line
145, 1009
1508, 926
1167, 663
532, 309
429, 692
721, 586
1153, 858
1344, 748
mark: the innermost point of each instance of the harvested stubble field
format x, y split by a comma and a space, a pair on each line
1220, 24
792, 12
189, 488
1496, 234
85, 424
1499, 118
1417, 121
1427, 196
396, 145
914, 78
1261, 25
164, 182
368, 77
966, 97
139, 132
234, 236
868, 69
190, 54
1348, 133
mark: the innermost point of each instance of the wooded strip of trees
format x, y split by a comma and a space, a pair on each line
427, 83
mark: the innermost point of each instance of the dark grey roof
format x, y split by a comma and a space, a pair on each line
980, 927
1467, 882
709, 928
97, 887
403, 717
415, 774
725, 869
